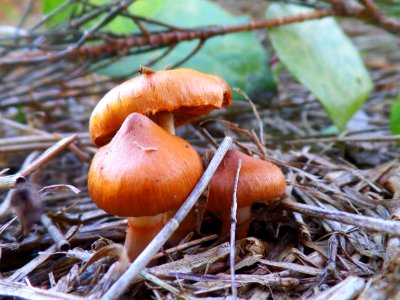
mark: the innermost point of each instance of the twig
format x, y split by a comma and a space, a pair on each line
7, 200
347, 139
55, 233
349, 288
9, 182
57, 137
187, 245
302, 227
369, 13
159, 39
161, 283
331, 262
35, 146
29, 267
369, 223
5, 226
48, 155
20, 290
393, 244
255, 112
134, 269
233, 231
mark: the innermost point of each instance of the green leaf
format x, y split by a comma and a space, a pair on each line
21, 116
395, 118
239, 57
49, 6
323, 59
391, 8
119, 24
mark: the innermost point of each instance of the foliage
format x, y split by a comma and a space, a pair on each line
322, 58
392, 8
64, 14
395, 117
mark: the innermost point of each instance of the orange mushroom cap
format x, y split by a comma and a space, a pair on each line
143, 171
259, 181
187, 93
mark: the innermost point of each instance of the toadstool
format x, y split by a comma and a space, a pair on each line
259, 181
143, 174
170, 98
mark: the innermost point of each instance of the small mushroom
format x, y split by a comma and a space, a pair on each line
259, 181
170, 98
143, 174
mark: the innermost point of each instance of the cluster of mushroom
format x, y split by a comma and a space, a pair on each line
144, 172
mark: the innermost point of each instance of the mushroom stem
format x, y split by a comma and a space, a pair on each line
141, 231
165, 120
243, 216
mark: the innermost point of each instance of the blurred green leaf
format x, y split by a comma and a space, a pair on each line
117, 25
323, 59
21, 116
239, 58
395, 118
391, 8
49, 6
9, 12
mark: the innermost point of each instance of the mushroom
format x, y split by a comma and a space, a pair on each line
143, 174
170, 98
259, 181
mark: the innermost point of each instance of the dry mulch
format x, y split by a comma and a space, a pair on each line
56, 244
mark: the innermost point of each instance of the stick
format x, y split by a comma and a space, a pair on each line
5, 205
161, 283
233, 231
19, 274
158, 39
119, 287
78, 152
339, 139
20, 290
186, 245
55, 233
255, 112
369, 223
9, 182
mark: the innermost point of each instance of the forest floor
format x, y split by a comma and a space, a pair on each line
50, 228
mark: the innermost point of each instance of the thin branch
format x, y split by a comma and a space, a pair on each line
5, 205
55, 233
190, 55
233, 231
255, 112
9, 182
369, 13
338, 139
158, 39
20, 290
369, 223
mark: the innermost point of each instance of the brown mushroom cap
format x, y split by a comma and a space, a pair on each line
259, 181
187, 93
143, 171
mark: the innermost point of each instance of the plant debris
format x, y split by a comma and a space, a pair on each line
56, 244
